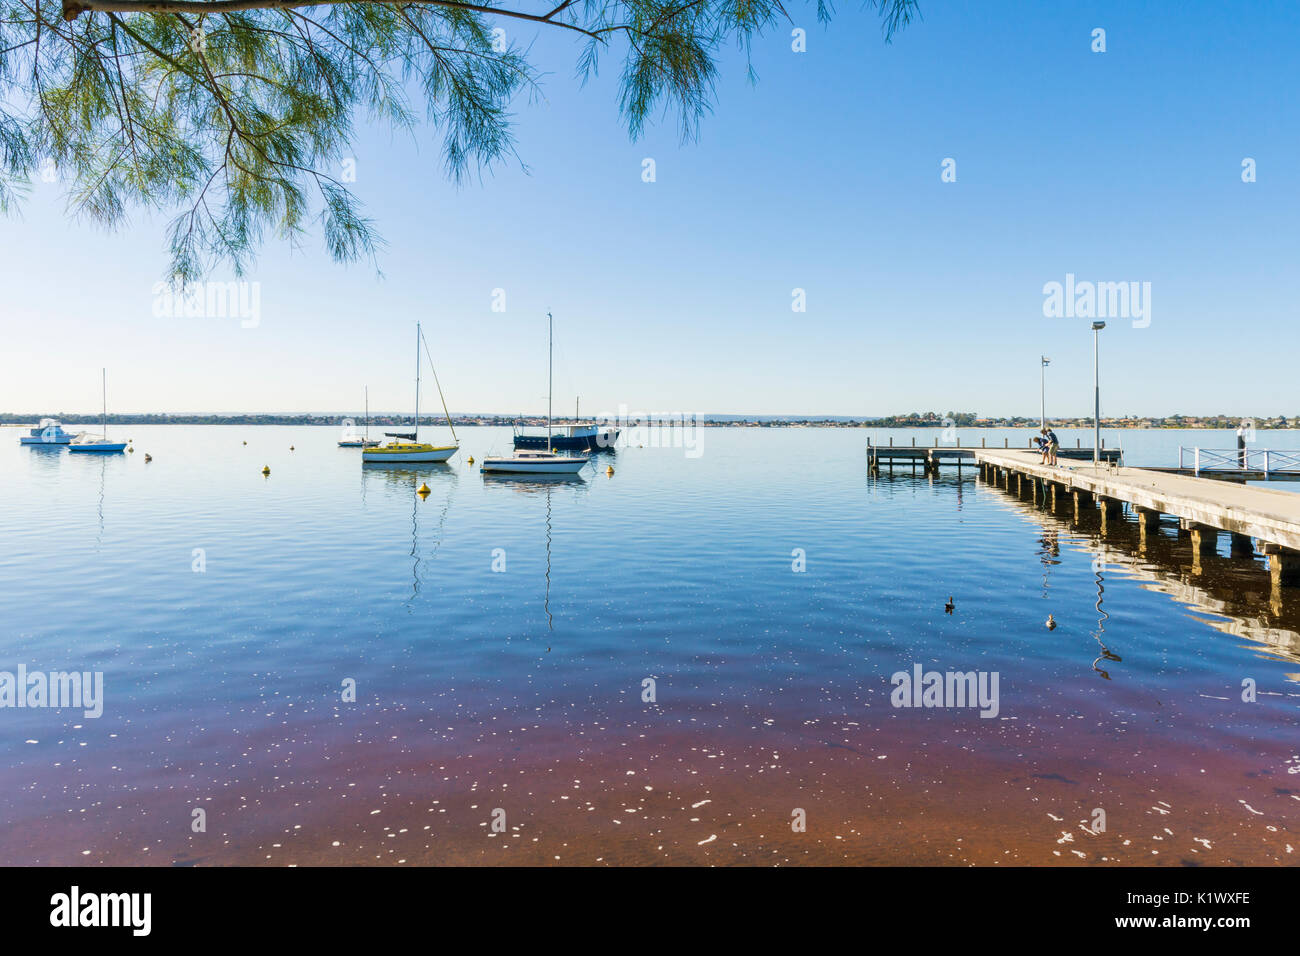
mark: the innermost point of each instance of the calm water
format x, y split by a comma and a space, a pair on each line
227, 610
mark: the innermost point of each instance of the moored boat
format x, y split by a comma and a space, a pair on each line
406, 446
408, 451
365, 441
48, 432
578, 436
536, 463
539, 462
95, 443
99, 444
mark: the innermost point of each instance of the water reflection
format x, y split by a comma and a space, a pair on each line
1049, 554
545, 486
1233, 595
1102, 617
399, 477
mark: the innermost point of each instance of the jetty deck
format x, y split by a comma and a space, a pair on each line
1256, 518
929, 458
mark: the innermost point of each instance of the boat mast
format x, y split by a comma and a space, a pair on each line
367, 411
103, 418
550, 372
416, 436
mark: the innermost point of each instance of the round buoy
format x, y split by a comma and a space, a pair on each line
245, 443
609, 471
148, 457
130, 450
266, 469
471, 459
423, 491
291, 448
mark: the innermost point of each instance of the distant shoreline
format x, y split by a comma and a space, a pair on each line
379, 422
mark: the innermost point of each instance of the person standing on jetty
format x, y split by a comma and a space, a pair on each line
1241, 444
1049, 453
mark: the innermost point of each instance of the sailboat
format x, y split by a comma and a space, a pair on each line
540, 462
367, 441
98, 443
406, 447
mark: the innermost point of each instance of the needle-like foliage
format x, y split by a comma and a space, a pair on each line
234, 116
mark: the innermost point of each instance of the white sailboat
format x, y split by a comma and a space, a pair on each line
366, 441
540, 462
98, 443
406, 447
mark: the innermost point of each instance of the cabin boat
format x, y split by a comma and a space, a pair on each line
579, 436
48, 432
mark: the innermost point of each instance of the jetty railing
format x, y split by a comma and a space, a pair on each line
1269, 461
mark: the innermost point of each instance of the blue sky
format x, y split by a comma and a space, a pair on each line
676, 295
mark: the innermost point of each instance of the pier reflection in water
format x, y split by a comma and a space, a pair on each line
1229, 591
1236, 594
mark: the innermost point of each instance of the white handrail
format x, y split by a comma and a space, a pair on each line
1268, 460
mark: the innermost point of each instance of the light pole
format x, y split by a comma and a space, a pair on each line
1096, 396
1042, 390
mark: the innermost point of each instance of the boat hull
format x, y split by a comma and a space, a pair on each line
526, 466
415, 454
45, 441
98, 448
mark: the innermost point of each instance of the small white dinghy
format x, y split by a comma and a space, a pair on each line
98, 443
539, 462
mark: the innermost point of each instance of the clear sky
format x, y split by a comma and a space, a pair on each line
826, 176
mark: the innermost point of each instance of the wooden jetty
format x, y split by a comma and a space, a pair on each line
929, 458
1262, 519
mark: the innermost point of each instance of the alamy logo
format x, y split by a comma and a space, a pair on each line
102, 909
1098, 300
953, 689
654, 430
56, 689
209, 300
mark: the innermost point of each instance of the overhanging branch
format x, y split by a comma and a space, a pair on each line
74, 8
